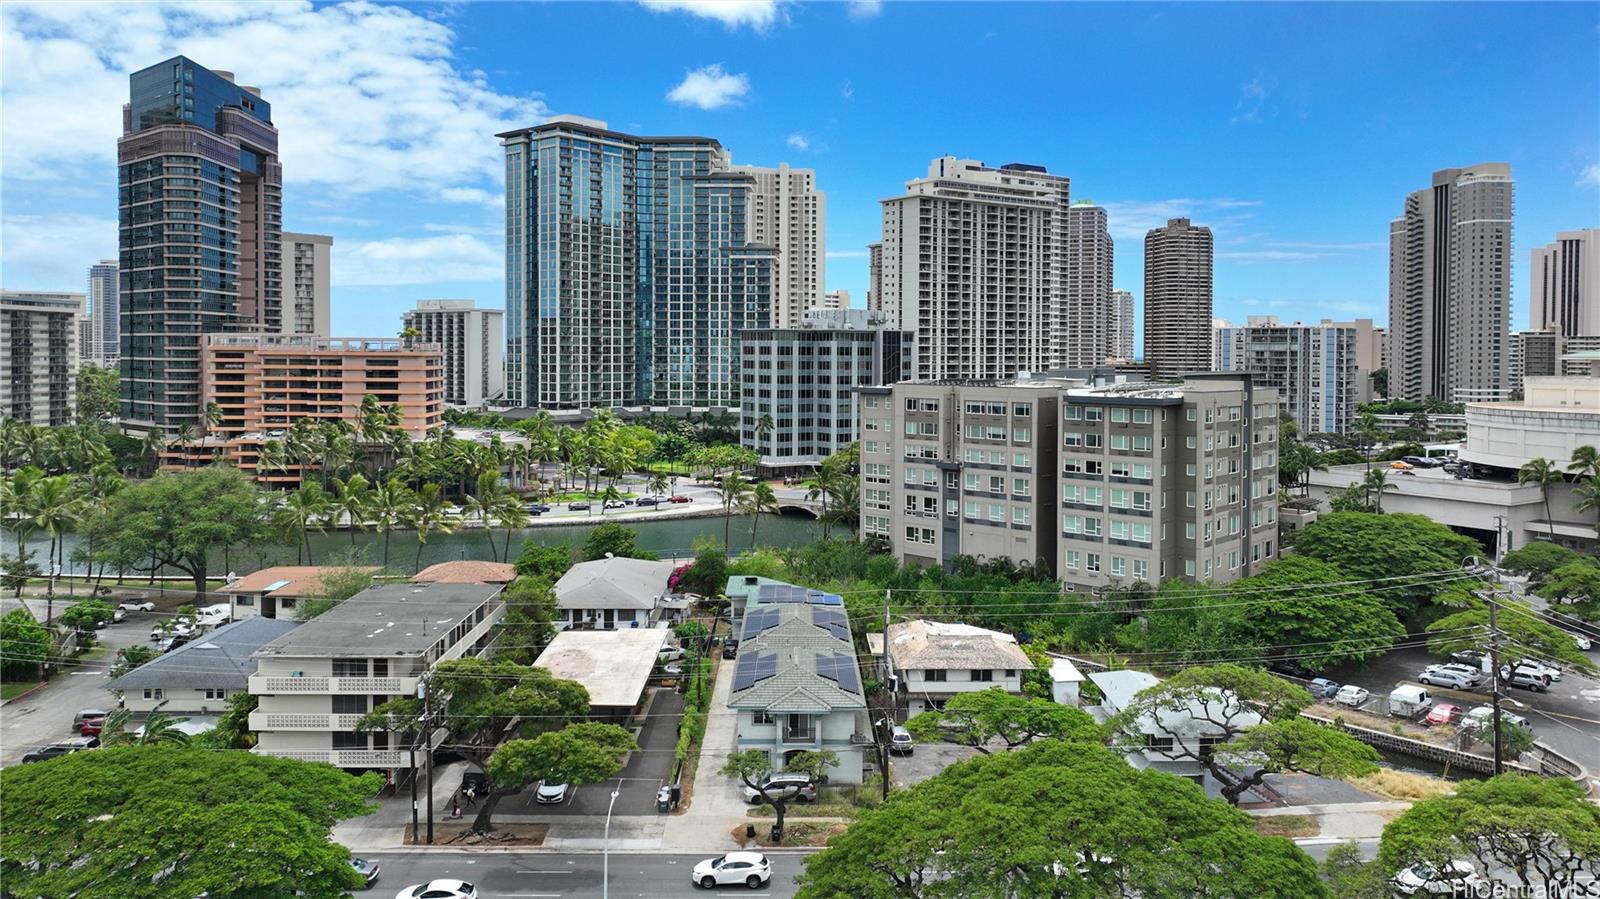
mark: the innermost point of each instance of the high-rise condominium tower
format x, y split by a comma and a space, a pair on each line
973, 262
1322, 372
200, 196
102, 347
1564, 284
1121, 324
1177, 299
39, 356
1083, 329
1450, 287
473, 343
629, 268
875, 276
787, 212
309, 307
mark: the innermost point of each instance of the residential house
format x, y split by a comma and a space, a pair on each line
612, 593
198, 678
467, 571
796, 686
932, 661
1172, 733
315, 682
614, 666
275, 592
745, 590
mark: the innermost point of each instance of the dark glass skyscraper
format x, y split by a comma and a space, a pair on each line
200, 196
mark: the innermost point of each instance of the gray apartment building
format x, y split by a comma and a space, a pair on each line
806, 379
1450, 287
1083, 327
1177, 299
200, 195
473, 343
39, 356
1564, 284
1106, 483
1322, 372
308, 304
1121, 324
98, 342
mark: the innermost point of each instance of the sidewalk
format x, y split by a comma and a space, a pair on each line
717, 805
1342, 821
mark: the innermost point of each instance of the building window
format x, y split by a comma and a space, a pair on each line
1074, 559
152, 693
1153, 743
936, 675
344, 739
349, 705
982, 674
216, 693
349, 667
762, 716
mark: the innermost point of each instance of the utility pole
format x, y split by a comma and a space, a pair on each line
1493, 598
880, 731
426, 695
415, 824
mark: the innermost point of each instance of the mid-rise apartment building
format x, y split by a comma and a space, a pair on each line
315, 682
1177, 299
308, 305
973, 259
1450, 287
201, 228
1121, 326
1083, 328
1549, 353
1564, 285
632, 264
1107, 484
473, 343
39, 356
1322, 372
805, 379
102, 317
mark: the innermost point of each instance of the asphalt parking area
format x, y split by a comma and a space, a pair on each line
926, 760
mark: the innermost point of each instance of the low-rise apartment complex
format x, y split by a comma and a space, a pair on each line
315, 682
1104, 483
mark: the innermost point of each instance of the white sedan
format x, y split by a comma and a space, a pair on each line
440, 889
137, 605
749, 868
1458, 878
1583, 642
1351, 695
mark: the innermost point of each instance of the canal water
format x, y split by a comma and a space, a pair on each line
672, 537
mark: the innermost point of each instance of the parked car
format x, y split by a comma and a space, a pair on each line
614, 504
551, 794
1482, 718
578, 506
1584, 643
648, 501
1322, 688
1459, 676
680, 499
1458, 879
84, 715
475, 783
670, 654
1289, 668
136, 605
1548, 669
54, 750
1351, 695
182, 627
900, 740
439, 889
1418, 461
168, 644
1398, 465
1472, 658
91, 727
672, 669
749, 868
730, 648
1409, 701
791, 786
119, 615
1443, 713
366, 868
1526, 678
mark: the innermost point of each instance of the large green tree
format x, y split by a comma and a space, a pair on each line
1310, 609
583, 753
1540, 830
974, 719
1538, 560
1058, 819
529, 622
1240, 724
1415, 554
612, 539
1525, 632
24, 644
176, 520
98, 394
150, 822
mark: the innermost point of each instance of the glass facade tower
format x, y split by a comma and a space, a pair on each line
200, 196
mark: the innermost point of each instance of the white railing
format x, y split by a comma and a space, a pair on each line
260, 721
269, 684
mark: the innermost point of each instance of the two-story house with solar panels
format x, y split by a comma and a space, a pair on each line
796, 685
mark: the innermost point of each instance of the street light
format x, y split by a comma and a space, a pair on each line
605, 849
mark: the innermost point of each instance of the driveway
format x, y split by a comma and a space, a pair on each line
645, 771
45, 715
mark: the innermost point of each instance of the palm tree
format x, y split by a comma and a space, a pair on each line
764, 427
818, 489
307, 507
184, 436
1586, 497
159, 727
1544, 473
507, 507
271, 458
388, 504
735, 491
352, 498
1585, 462
428, 516
1374, 484
55, 504
213, 416
761, 499
481, 502
14, 502
658, 484
1368, 434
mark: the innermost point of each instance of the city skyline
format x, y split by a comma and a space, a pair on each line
1293, 160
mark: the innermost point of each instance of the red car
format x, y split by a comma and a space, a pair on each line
1443, 713
680, 499
91, 726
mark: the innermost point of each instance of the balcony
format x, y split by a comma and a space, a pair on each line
343, 758
270, 685
301, 721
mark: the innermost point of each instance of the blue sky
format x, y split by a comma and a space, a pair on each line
1293, 130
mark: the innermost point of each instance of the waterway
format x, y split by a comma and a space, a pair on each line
669, 538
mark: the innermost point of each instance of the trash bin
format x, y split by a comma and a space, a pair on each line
777, 833
749, 831
663, 799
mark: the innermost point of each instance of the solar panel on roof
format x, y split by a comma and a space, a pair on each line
767, 666
832, 620
828, 599
758, 620
744, 673
841, 669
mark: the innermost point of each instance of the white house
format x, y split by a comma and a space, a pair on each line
612, 593
934, 661
797, 686
197, 678
1172, 732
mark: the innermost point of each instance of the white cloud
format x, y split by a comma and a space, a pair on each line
710, 88
472, 195
1252, 99
52, 252
799, 141
1590, 176
1130, 219
760, 15
847, 91
417, 260
865, 9
366, 97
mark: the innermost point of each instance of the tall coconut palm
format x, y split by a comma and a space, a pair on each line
352, 499
1544, 473
508, 510
1585, 462
658, 485
271, 458
1374, 484
481, 504
55, 504
428, 516
15, 502
213, 416
183, 437
389, 503
735, 491
762, 498
1586, 497
1368, 434
307, 507
818, 489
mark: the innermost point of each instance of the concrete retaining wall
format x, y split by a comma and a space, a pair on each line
1550, 763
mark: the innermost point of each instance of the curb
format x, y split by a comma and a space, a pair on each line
26, 693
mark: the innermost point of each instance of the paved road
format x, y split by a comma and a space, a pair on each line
45, 716
535, 874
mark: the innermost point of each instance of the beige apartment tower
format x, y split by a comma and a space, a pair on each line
1121, 324
1083, 327
1177, 299
1450, 287
785, 211
1564, 285
308, 305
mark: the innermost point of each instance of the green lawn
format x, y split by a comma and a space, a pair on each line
12, 690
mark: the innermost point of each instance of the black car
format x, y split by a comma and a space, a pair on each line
56, 750
537, 508
475, 784
1289, 668
730, 648
647, 501
1470, 657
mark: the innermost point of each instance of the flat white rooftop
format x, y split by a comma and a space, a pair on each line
614, 666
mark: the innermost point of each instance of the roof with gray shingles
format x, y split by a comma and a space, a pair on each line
218, 659
615, 583
797, 687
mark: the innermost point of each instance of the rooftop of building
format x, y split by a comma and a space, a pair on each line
613, 583
385, 620
614, 666
796, 657
221, 658
925, 644
467, 571
287, 580
568, 122
313, 343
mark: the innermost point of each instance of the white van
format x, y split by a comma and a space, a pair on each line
1409, 701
